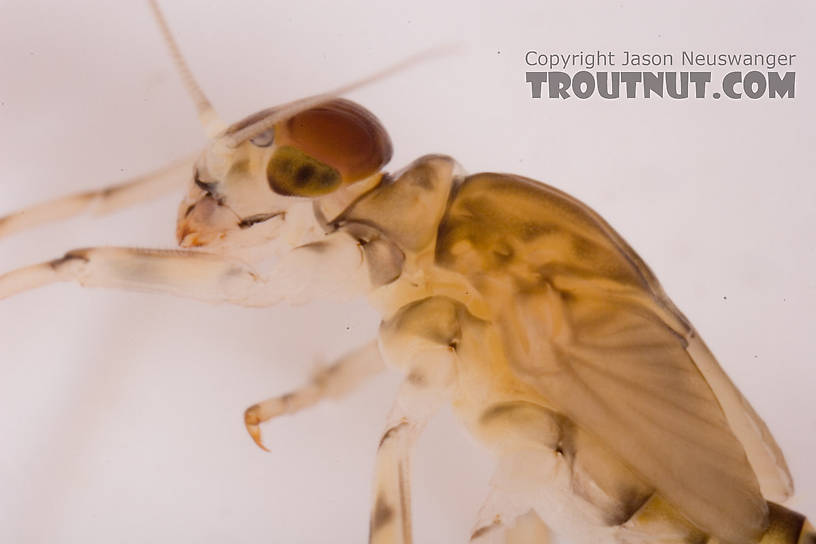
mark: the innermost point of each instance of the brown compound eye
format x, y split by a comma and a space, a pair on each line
340, 135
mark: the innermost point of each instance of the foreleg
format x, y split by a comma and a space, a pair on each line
334, 381
311, 270
101, 201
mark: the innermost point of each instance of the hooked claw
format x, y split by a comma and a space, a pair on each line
252, 420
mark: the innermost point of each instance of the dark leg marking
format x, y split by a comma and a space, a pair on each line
390, 432
108, 191
417, 378
481, 531
383, 514
77, 254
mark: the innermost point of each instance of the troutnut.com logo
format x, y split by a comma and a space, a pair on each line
732, 75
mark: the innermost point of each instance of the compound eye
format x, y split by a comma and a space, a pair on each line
340, 134
292, 172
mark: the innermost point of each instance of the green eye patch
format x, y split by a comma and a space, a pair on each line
293, 172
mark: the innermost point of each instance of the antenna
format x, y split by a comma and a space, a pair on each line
212, 124
235, 137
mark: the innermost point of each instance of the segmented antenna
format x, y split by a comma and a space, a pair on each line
212, 124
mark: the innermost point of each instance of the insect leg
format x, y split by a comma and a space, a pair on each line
420, 339
507, 517
313, 269
391, 511
334, 381
528, 529
525, 529
100, 201
189, 274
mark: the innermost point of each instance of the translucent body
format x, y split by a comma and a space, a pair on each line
507, 298
503, 297
565, 342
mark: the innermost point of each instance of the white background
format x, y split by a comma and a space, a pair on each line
121, 413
